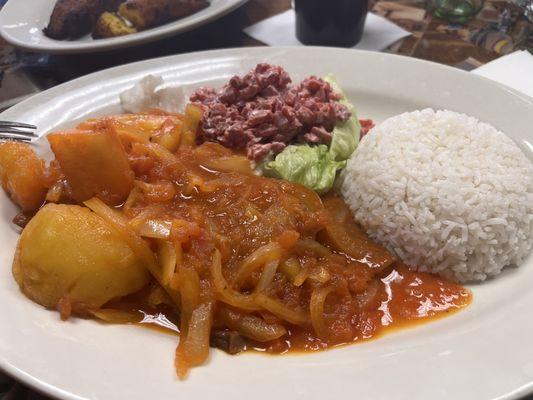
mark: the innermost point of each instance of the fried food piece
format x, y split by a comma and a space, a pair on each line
110, 25
83, 155
144, 14
74, 18
22, 175
71, 259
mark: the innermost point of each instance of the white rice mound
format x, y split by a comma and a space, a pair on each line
447, 193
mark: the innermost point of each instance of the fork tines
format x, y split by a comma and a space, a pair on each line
10, 124
12, 136
16, 131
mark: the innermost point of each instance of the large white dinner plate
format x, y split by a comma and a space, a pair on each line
484, 352
22, 23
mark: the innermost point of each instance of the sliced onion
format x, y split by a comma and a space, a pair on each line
113, 316
104, 211
309, 245
158, 296
195, 182
150, 211
162, 191
301, 277
154, 228
238, 164
316, 306
162, 153
290, 267
280, 310
267, 276
264, 254
189, 286
166, 252
251, 326
321, 276
133, 198
225, 293
194, 346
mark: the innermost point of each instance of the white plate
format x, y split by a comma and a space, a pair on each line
22, 23
484, 352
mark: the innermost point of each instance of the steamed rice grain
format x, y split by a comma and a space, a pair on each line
445, 192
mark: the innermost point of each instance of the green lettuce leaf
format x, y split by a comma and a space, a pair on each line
345, 135
311, 166
316, 166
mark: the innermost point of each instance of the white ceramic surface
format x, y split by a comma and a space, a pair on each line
22, 22
484, 352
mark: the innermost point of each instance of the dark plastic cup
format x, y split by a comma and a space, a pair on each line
330, 22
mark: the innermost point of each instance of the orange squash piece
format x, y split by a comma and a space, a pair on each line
94, 164
22, 175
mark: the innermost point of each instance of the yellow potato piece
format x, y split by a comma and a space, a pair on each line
68, 253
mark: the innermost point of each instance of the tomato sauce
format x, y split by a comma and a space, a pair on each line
233, 260
371, 291
404, 299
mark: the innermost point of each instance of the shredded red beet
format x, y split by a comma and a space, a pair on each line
263, 112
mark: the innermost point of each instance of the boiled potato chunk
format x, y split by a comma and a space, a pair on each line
67, 252
94, 164
22, 175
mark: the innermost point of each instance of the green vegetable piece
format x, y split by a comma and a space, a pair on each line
345, 135
313, 167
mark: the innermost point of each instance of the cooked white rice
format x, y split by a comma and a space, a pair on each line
447, 193
152, 92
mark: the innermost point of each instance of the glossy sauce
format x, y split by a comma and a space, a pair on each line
404, 298
214, 203
372, 292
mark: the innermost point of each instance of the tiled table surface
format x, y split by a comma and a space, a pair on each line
497, 30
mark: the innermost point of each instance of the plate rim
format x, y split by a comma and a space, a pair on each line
167, 30
432, 64
55, 391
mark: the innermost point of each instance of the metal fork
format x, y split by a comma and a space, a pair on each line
17, 131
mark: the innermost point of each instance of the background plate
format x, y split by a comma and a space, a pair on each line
484, 352
22, 26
